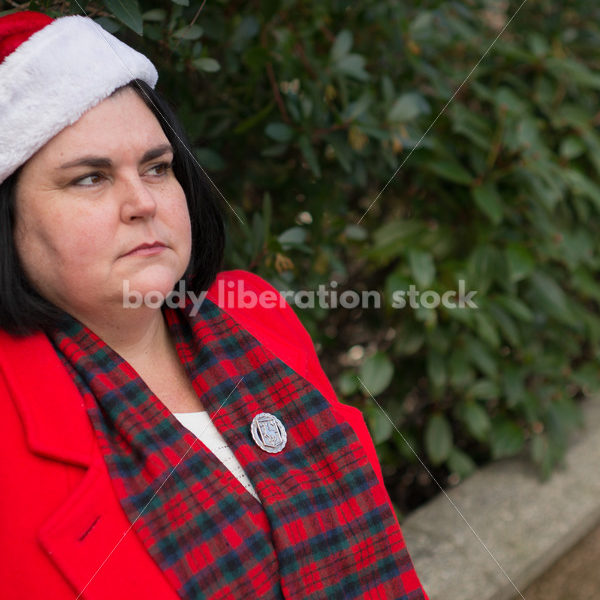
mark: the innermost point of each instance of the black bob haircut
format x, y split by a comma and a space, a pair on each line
23, 311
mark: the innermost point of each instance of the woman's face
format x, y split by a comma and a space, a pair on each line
99, 211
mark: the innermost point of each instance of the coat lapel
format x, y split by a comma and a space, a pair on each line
88, 537
47, 400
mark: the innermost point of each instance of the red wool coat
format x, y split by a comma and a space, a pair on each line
62, 529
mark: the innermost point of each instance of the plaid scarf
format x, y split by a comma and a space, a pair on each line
324, 528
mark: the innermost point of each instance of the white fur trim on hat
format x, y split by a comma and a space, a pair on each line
55, 76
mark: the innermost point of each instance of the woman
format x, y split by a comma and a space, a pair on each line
105, 492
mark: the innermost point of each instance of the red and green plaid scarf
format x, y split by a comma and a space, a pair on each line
323, 528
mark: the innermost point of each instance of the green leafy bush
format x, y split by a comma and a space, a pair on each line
329, 130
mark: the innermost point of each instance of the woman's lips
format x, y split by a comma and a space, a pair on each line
147, 249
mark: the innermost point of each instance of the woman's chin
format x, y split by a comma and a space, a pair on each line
150, 293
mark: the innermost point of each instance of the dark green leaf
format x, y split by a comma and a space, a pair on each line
128, 12
461, 374
376, 373
438, 439
480, 356
210, 65
253, 120
190, 32
347, 383
460, 463
450, 170
209, 159
486, 329
484, 389
310, 155
292, 236
571, 147
422, 267
341, 45
506, 438
407, 107
520, 262
352, 65
476, 419
436, 370
280, 132
381, 426
506, 324
108, 24
488, 200
394, 238
342, 152
551, 297
516, 307
355, 109
157, 15
248, 28
513, 385
356, 233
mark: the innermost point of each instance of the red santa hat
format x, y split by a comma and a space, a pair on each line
51, 72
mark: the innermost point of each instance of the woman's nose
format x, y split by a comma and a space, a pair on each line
137, 199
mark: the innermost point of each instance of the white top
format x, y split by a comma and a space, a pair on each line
200, 424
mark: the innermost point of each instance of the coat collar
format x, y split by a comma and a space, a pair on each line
47, 400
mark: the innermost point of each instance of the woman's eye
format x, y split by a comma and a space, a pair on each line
160, 169
88, 180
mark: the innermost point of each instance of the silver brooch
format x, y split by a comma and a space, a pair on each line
268, 432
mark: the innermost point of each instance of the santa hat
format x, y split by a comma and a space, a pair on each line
51, 72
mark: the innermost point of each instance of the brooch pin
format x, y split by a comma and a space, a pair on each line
268, 432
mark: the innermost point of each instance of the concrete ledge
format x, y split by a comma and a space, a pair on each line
525, 524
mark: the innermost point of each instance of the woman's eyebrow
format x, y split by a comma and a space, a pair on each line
101, 162
156, 152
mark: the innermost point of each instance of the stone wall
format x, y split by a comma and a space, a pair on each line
492, 535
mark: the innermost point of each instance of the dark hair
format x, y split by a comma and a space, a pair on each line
23, 311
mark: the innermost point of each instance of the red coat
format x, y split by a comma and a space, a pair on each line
54, 483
